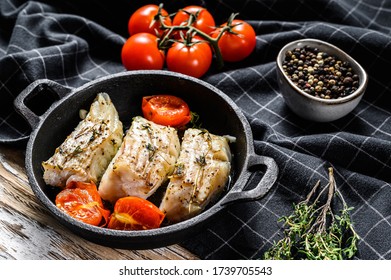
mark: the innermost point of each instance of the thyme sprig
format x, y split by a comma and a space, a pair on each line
152, 150
314, 232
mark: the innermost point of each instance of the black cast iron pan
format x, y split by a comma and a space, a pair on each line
219, 114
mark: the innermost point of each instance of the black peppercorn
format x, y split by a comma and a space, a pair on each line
319, 73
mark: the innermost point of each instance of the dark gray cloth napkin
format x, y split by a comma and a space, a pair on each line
73, 42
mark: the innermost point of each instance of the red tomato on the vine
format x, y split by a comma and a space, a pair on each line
141, 52
166, 110
238, 44
145, 20
193, 59
204, 22
134, 213
82, 201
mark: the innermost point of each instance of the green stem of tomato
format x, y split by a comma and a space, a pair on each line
191, 31
214, 43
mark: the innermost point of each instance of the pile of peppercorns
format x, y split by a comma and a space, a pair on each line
320, 74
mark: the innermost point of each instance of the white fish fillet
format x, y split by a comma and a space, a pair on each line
145, 159
88, 150
201, 173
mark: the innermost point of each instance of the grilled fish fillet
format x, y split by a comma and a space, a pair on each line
201, 173
88, 150
145, 159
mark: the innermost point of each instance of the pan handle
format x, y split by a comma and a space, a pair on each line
263, 186
32, 90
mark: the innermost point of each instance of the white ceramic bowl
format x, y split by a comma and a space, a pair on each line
315, 108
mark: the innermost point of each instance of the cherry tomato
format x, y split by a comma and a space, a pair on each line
204, 22
134, 213
145, 19
238, 44
166, 110
141, 52
193, 59
82, 201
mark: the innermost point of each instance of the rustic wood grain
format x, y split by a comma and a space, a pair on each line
28, 231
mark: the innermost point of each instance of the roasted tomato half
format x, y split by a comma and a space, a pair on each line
82, 201
166, 110
134, 213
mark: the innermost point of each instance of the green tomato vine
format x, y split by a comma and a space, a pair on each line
190, 31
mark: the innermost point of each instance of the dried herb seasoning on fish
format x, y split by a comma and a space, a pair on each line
313, 231
146, 157
201, 174
86, 152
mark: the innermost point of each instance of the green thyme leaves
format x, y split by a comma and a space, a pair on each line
313, 231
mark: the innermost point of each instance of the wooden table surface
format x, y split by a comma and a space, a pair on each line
29, 232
